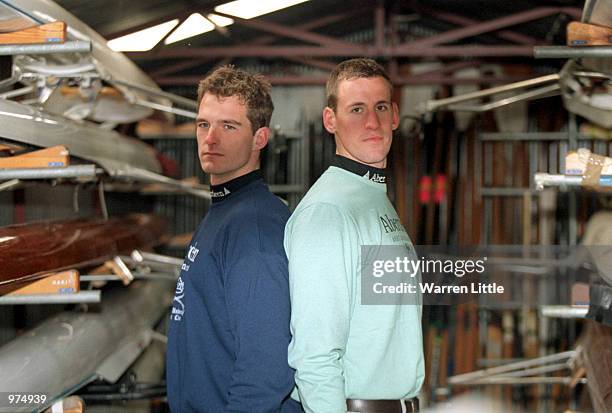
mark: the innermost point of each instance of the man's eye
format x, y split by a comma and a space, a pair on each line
228, 127
203, 125
382, 108
357, 110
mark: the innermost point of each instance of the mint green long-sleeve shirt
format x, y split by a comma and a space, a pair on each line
340, 348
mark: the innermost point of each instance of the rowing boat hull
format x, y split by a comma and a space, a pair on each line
71, 349
28, 251
111, 150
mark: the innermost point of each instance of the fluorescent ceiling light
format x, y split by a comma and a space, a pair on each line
220, 20
142, 40
197, 24
247, 9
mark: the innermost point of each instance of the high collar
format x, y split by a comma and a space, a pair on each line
223, 191
377, 175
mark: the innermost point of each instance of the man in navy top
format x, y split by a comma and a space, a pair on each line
229, 325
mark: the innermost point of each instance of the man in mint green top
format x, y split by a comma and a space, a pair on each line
349, 356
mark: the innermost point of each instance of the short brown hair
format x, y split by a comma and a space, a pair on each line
253, 91
352, 69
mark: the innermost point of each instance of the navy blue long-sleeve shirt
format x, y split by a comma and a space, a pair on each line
229, 325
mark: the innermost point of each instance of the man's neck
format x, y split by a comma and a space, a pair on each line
220, 179
377, 175
220, 192
380, 165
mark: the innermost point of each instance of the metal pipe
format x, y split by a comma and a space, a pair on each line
544, 179
589, 73
528, 136
143, 257
523, 380
17, 92
74, 298
75, 171
512, 366
537, 370
154, 266
102, 199
10, 81
435, 104
571, 261
526, 269
546, 91
160, 93
165, 108
137, 276
76, 46
13, 183
148, 176
564, 311
565, 52
501, 191
61, 70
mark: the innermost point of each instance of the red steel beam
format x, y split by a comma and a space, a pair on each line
319, 64
263, 40
406, 50
177, 67
181, 15
313, 24
463, 51
574, 12
465, 21
292, 32
379, 27
485, 27
320, 80
448, 67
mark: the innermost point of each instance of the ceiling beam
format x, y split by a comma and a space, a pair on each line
485, 27
291, 32
320, 80
465, 21
263, 40
404, 50
178, 66
319, 64
379, 27
181, 15
448, 68
462, 51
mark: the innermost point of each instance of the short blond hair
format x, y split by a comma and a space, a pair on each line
252, 90
352, 69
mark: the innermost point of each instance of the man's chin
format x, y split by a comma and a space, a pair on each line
209, 169
374, 160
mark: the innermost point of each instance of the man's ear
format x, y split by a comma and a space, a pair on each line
329, 120
395, 122
261, 137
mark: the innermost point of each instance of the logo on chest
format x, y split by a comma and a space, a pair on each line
376, 177
191, 256
178, 307
391, 224
193, 253
394, 229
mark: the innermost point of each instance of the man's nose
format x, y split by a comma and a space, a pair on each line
372, 121
210, 136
